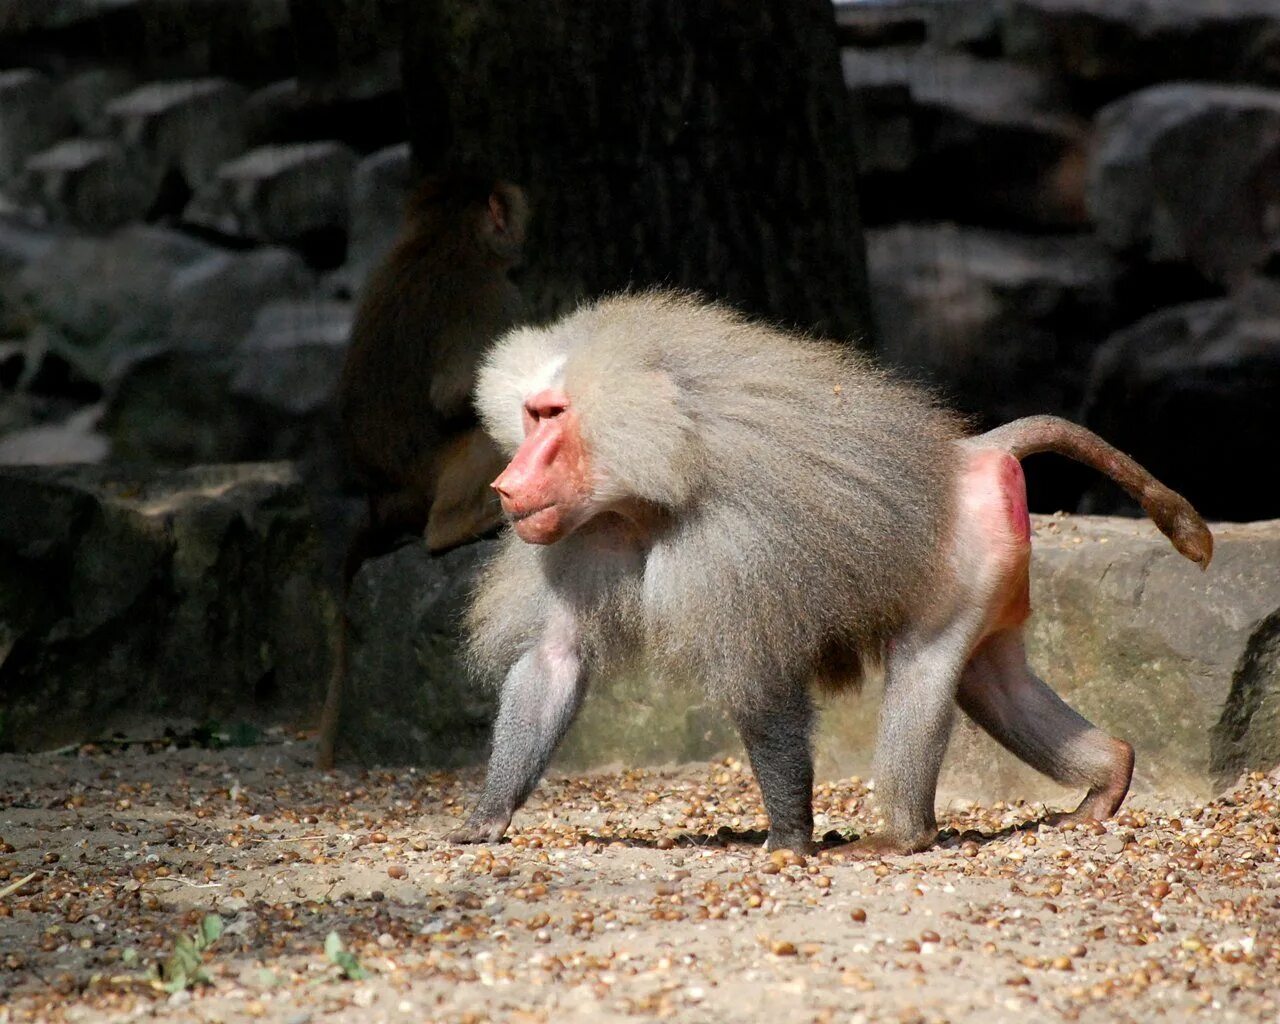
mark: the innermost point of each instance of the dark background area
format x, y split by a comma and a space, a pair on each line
1048, 190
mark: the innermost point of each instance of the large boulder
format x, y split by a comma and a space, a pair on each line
1183, 664
32, 116
295, 194
1179, 662
200, 396
177, 133
1191, 173
1193, 392
410, 697
154, 318
380, 189
87, 183
102, 294
948, 136
1110, 47
1005, 324
126, 595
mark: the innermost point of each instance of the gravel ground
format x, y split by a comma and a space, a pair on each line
620, 895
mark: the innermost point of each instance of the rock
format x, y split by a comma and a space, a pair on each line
380, 189
367, 118
970, 25
408, 697
284, 381
291, 359
1155, 651
1005, 324
410, 700
1191, 392
168, 406
103, 295
1111, 47
75, 439
128, 594
1247, 736
216, 300
1181, 663
177, 134
947, 136
270, 397
298, 195
88, 93
150, 289
1187, 173
156, 318
20, 244
635, 720
168, 39
32, 116
87, 183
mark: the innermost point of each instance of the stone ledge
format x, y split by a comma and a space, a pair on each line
130, 595
1184, 665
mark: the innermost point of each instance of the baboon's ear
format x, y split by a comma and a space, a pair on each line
505, 217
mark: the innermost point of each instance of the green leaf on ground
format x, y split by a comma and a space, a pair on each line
210, 931
343, 959
184, 968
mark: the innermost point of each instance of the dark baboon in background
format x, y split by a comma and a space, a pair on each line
425, 318
762, 512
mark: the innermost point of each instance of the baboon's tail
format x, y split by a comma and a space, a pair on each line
1170, 511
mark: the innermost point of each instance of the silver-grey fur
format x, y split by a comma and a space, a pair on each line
807, 494
768, 512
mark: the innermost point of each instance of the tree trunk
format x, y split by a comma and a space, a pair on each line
701, 144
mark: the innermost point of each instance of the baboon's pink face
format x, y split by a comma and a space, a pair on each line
546, 487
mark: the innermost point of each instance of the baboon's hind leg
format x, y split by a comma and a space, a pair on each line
1000, 692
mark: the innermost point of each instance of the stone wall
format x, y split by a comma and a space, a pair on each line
1074, 206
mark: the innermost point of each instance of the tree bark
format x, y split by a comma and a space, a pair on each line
700, 144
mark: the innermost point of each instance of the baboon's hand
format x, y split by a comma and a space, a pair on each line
478, 829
